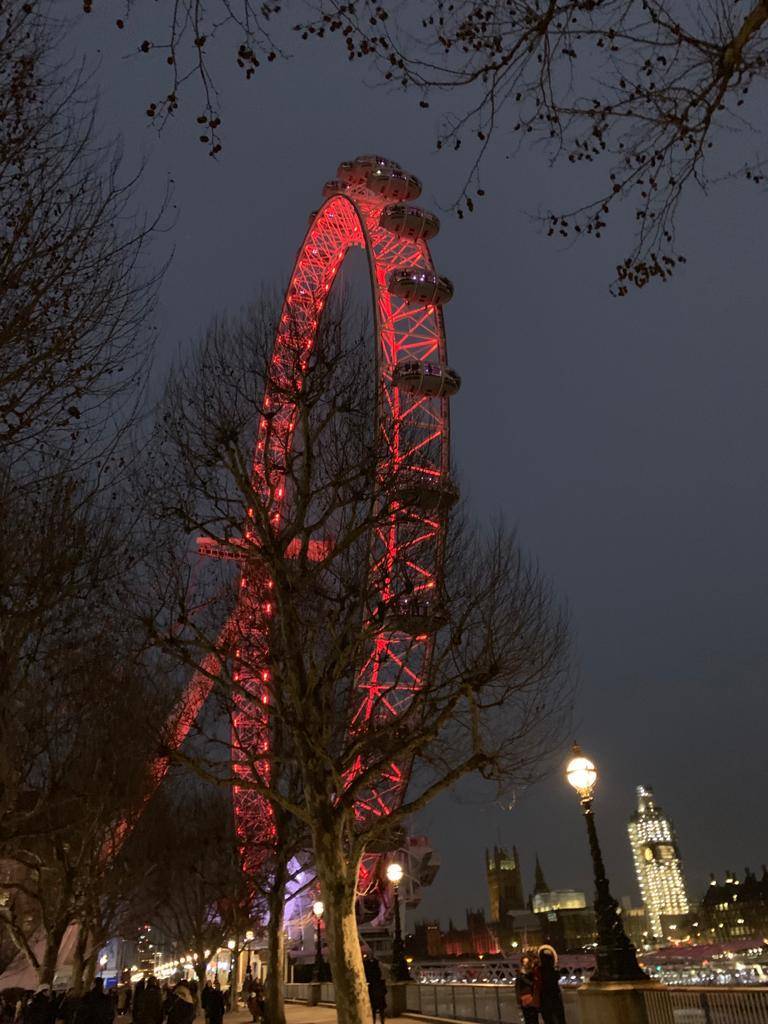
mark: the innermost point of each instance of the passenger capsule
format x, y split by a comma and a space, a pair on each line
355, 172
393, 184
413, 614
370, 161
351, 175
420, 287
423, 492
334, 188
409, 221
430, 379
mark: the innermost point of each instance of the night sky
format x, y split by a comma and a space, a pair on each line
625, 438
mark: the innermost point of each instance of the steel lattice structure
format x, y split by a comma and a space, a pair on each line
367, 206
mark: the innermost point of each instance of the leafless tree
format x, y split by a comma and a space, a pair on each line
658, 95
495, 692
76, 285
194, 889
94, 737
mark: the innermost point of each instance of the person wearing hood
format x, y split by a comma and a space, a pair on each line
548, 987
182, 1008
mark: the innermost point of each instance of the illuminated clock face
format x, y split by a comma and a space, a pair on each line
648, 853
666, 852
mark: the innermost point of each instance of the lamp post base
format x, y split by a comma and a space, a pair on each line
614, 1002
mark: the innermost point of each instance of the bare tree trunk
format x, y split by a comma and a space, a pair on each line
338, 884
90, 970
47, 969
79, 962
273, 986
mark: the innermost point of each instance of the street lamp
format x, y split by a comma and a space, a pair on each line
615, 954
231, 944
400, 971
318, 908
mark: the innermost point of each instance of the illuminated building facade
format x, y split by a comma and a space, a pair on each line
657, 863
558, 899
734, 909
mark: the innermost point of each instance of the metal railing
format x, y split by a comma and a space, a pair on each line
483, 1003
302, 992
496, 1004
711, 1005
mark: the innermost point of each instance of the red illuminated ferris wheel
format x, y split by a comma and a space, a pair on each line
369, 205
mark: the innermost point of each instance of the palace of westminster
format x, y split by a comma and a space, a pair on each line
731, 908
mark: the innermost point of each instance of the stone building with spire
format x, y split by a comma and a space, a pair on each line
505, 884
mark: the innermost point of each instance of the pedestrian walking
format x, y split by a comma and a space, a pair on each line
68, 1007
40, 1008
205, 998
96, 1006
182, 1005
148, 1005
548, 987
138, 996
215, 1004
526, 991
255, 1001
377, 993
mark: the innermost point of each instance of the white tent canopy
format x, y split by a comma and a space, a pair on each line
21, 974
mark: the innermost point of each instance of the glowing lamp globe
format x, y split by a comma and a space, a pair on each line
395, 873
318, 908
581, 773
231, 944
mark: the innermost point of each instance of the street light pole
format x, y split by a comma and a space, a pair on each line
318, 907
615, 954
400, 970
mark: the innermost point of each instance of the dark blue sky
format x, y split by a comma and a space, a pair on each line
626, 439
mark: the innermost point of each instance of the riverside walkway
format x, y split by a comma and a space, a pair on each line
299, 1013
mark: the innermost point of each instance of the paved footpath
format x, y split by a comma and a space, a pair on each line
299, 1013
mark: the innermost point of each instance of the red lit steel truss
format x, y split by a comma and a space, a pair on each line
413, 418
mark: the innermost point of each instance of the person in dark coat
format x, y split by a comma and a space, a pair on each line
377, 993
68, 1007
148, 1007
255, 1001
40, 1009
215, 1004
182, 1006
205, 997
138, 996
96, 1007
526, 993
548, 985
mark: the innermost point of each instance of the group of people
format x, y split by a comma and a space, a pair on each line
537, 988
148, 1003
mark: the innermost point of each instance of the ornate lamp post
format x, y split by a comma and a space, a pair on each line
231, 945
400, 971
318, 907
615, 954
